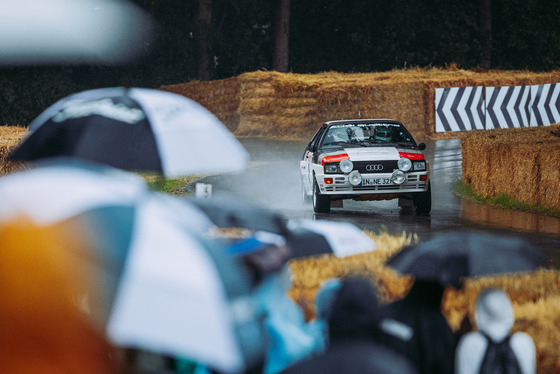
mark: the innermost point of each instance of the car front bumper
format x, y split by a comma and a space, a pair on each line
337, 184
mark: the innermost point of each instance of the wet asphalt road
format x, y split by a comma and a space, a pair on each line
272, 180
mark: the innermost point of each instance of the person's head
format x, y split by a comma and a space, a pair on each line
354, 311
494, 313
382, 133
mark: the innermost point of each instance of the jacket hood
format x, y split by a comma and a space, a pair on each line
494, 314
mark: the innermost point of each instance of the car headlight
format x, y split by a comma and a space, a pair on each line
404, 164
331, 168
419, 165
354, 178
398, 177
346, 166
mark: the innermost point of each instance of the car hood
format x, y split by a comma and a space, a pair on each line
372, 153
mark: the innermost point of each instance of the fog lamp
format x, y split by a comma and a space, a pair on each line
354, 178
398, 177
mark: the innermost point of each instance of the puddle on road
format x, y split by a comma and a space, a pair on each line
484, 214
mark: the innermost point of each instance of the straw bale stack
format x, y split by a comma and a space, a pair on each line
10, 136
256, 104
220, 97
520, 163
401, 101
288, 105
295, 111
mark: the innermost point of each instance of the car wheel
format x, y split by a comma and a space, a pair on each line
321, 203
423, 201
305, 198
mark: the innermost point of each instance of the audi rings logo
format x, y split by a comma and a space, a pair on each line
374, 167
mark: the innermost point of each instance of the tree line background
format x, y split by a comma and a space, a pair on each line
216, 39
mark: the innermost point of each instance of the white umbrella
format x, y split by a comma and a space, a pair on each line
343, 238
72, 32
134, 129
55, 191
171, 298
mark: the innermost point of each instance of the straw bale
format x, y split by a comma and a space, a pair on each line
548, 160
296, 85
221, 97
519, 163
295, 127
256, 105
265, 90
289, 102
297, 111
310, 273
255, 125
256, 83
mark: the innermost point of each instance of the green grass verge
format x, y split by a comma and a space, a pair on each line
503, 201
172, 186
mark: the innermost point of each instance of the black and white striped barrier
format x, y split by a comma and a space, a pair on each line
545, 105
459, 109
478, 108
507, 107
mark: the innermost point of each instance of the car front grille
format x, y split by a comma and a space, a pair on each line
374, 167
419, 185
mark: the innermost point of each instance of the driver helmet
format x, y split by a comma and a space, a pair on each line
383, 133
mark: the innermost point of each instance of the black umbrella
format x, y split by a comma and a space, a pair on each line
451, 256
134, 129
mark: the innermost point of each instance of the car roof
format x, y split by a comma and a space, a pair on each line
371, 120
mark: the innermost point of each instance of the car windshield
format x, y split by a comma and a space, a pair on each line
367, 135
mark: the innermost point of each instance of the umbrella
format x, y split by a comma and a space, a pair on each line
56, 190
134, 129
72, 32
303, 237
179, 296
449, 257
313, 237
226, 210
158, 285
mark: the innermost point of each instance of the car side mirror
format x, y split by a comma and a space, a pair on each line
422, 146
313, 148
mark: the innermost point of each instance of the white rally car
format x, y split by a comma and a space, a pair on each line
365, 159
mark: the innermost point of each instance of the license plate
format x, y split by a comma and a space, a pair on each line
375, 181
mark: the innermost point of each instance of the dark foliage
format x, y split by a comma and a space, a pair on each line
338, 35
